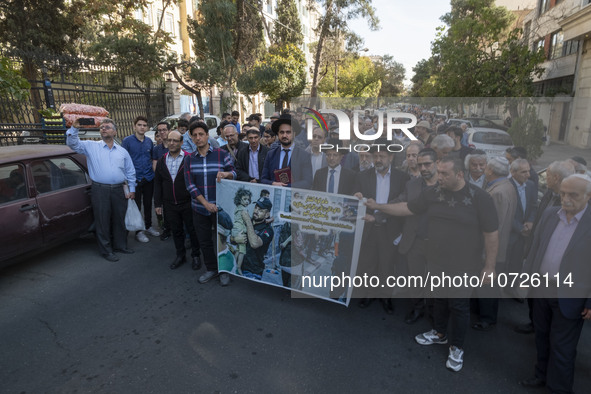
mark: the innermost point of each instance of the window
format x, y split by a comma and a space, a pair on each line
148, 15
556, 42
539, 44
159, 21
55, 174
570, 47
169, 23
12, 183
139, 14
526, 31
270, 6
544, 6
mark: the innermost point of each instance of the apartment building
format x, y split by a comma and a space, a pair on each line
563, 29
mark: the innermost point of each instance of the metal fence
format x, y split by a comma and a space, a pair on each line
82, 83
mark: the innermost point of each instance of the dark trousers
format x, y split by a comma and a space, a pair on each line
416, 263
109, 206
556, 344
203, 227
180, 217
459, 310
145, 191
378, 257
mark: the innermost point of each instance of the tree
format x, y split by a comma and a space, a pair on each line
336, 15
357, 77
287, 28
132, 46
281, 75
391, 75
11, 81
213, 45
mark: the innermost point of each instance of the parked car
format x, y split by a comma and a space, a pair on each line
457, 122
212, 122
483, 122
44, 199
493, 141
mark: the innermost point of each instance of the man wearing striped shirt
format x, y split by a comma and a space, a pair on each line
203, 169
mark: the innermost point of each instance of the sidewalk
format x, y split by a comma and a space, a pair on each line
556, 151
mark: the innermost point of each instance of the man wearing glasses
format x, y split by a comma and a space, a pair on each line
109, 166
172, 198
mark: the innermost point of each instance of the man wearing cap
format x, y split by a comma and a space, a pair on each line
259, 234
423, 132
287, 156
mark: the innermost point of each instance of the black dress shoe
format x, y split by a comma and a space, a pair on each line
125, 251
364, 302
165, 235
196, 264
387, 305
533, 382
180, 260
111, 257
413, 316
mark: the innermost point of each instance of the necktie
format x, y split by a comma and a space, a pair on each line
331, 182
285, 158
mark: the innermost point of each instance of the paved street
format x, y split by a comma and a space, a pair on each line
73, 322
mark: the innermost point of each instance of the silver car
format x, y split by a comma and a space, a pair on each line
493, 141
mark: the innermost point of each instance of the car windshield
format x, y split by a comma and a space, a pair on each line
492, 138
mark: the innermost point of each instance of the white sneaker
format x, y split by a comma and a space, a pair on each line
141, 237
430, 337
455, 360
153, 232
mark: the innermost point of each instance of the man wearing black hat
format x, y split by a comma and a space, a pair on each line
259, 235
287, 156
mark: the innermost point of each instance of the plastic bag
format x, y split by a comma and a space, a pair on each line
133, 217
83, 109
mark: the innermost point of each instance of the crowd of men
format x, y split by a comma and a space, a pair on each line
438, 206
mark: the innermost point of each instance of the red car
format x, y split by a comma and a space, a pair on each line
44, 199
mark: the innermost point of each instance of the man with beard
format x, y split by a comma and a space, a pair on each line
172, 199
287, 156
258, 237
462, 220
414, 233
378, 255
475, 163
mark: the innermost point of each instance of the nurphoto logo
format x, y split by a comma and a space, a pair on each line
344, 127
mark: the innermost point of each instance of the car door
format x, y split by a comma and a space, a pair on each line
63, 197
20, 231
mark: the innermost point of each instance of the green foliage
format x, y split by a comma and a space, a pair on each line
357, 77
334, 23
281, 75
213, 43
478, 55
287, 28
528, 130
11, 81
127, 44
391, 75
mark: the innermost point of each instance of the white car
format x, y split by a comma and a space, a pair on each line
212, 122
493, 141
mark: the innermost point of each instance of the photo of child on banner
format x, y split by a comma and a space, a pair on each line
291, 238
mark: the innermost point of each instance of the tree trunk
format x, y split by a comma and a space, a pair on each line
319, 47
200, 104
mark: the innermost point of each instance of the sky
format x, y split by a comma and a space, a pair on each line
407, 29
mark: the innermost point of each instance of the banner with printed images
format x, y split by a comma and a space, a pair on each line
292, 238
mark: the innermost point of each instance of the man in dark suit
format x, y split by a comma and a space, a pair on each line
287, 156
560, 250
343, 180
525, 213
378, 256
250, 162
413, 245
555, 173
